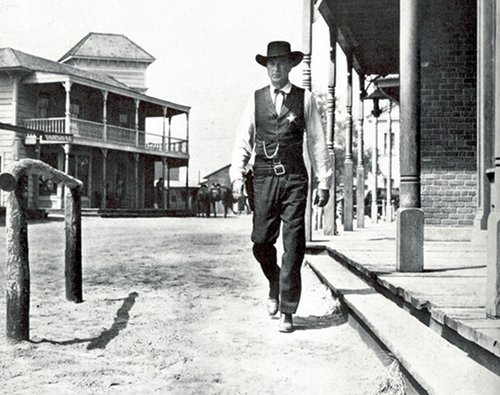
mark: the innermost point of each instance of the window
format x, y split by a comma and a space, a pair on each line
42, 106
74, 109
123, 120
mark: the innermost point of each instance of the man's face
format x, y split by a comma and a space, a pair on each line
278, 69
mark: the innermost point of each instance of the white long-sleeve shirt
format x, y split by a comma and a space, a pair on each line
314, 139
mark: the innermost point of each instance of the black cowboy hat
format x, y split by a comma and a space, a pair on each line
280, 48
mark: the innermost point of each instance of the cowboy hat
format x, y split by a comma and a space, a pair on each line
280, 48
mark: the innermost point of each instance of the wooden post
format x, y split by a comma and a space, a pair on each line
375, 173
485, 108
187, 165
17, 265
67, 111
348, 163
73, 229
307, 84
493, 250
360, 170
105, 115
18, 144
136, 121
136, 176
389, 210
330, 210
104, 178
410, 217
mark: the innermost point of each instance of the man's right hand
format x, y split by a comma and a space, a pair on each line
237, 186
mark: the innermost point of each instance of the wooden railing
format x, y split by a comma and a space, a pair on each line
114, 134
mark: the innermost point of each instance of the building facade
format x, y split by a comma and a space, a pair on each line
93, 108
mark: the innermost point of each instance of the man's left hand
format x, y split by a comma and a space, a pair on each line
322, 197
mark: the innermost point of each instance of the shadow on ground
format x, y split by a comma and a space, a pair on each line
319, 322
101, 341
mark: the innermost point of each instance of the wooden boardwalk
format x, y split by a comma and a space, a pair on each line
451, 291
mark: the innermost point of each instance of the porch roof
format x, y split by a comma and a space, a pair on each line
367, 29
40, 70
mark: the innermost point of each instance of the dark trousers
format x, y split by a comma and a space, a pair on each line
281, 200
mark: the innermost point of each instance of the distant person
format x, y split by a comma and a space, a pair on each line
159, 193
272, 128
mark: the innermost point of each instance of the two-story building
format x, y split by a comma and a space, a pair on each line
93, 104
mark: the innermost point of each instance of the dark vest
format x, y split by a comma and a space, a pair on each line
283, 132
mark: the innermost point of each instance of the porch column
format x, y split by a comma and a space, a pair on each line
493, 250
187, 164
169, 143
136, 178
67, 150
374, 207
485, 108
104, 177
163, 174
105, 115
389, 211
410, 217
168, 186
136, 123
163, 129
330, 210
348, 164
360, 170
18, 143
307, 84
67, 112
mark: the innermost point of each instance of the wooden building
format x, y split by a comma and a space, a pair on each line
93, 102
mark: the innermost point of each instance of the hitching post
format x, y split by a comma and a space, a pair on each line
18, 278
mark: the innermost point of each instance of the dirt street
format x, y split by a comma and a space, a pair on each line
174, 306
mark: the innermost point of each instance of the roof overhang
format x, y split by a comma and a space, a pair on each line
368, 31
40, 77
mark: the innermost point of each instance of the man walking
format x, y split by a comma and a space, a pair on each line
271, 135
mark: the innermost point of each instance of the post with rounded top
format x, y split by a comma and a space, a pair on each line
348, 163
360, 170
410, 217
307, 84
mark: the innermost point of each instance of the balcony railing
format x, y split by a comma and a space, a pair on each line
110, 133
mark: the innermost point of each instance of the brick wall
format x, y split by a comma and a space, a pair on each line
448, 126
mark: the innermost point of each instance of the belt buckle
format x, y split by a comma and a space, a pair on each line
279, 169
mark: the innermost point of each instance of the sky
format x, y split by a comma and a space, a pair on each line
204, 49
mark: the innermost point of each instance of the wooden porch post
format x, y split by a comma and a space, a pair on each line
67, 150
187, 164
67, 112
485, 108
307, 84
348, 163
330, 211
105, 115
136, 121
389, 211
360, 170
374, 207
18, 143
410, 217
136, 176
104, 177
493, 250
